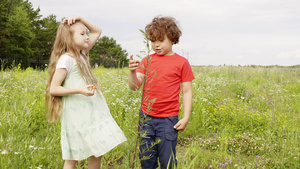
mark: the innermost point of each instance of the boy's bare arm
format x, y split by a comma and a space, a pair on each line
187, 99
135, 79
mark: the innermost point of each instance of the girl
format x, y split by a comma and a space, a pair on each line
87, 127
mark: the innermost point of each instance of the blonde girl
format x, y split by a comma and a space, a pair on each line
87, 128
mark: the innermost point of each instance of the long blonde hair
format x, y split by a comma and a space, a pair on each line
64, 43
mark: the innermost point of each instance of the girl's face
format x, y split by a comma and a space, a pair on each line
79, 35
162, 47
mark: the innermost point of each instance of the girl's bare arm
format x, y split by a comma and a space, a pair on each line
95, 31
56, 88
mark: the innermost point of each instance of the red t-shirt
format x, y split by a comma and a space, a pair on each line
162, 88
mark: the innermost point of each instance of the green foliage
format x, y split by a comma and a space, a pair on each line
253, 125
108, 53
25, 37
19, 34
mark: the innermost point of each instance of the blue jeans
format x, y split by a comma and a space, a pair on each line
158, 129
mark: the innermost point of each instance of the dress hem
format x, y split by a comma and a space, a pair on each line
100, 154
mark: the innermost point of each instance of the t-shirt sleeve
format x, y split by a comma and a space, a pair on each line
65, 61
187, 73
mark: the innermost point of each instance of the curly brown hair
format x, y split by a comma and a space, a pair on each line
161, 26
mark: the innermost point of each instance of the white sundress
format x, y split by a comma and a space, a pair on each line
87, 127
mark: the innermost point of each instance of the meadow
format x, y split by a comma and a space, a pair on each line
242, 117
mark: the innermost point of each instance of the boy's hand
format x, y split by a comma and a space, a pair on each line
181, 125
133, 64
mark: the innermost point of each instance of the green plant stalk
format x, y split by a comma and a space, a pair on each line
142, 100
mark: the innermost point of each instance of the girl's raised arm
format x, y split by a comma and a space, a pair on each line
94, 29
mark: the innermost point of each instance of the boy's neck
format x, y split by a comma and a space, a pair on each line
168, 54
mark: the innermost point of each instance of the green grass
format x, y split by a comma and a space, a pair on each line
243, 117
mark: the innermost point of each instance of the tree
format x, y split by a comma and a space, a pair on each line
108, 53
24, 37
44, 38
19, 36
4, 10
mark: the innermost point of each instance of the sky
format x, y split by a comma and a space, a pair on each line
214, 32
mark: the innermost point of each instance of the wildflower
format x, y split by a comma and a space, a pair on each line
210, 166
39, 167
223, 165
257, 156
256, 164
4, 152
235, 165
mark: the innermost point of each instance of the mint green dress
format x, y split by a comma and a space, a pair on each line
87, 127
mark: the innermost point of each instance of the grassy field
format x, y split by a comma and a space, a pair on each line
242, 117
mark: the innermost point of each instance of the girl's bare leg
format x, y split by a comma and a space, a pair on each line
70, 164
94, 162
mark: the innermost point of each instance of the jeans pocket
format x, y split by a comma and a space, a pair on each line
170, 132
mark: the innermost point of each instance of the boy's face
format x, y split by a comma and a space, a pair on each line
162, 47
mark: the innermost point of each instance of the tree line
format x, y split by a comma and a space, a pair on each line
26, 38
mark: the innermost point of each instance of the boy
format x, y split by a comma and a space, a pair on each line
166, 71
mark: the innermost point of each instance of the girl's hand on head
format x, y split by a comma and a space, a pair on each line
87, 90
133, 64
71, 20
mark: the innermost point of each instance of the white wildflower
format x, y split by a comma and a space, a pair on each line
4, 152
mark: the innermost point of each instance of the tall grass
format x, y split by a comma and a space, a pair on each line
243, 117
